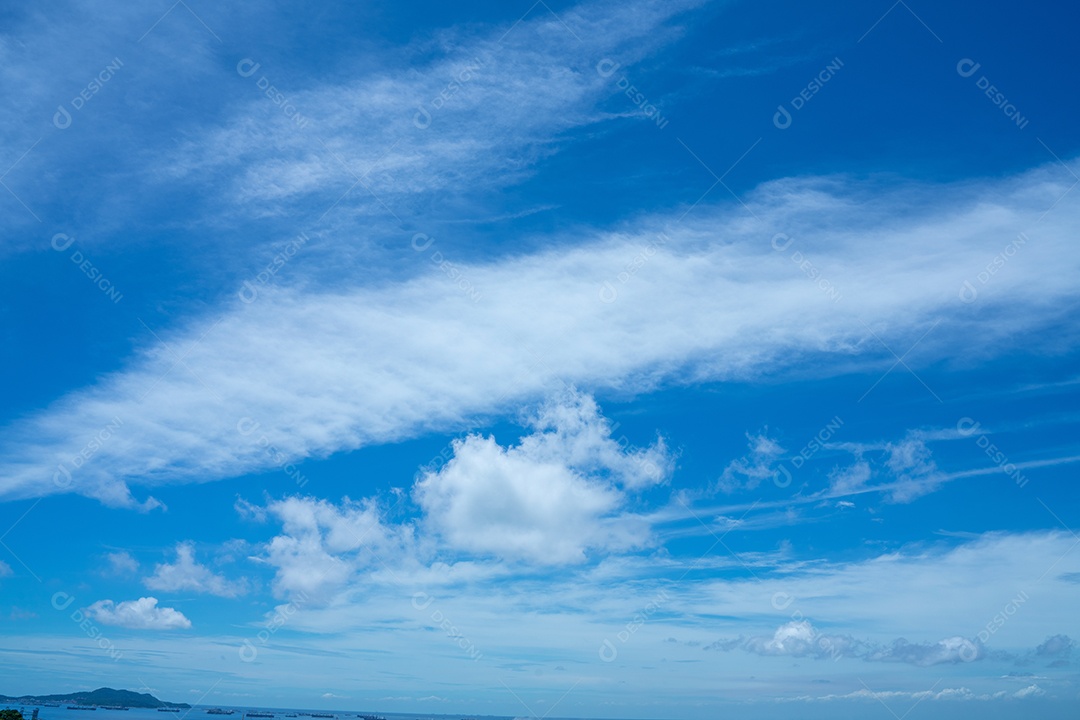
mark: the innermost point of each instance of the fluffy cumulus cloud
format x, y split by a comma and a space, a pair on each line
551, 498
187, 574
563, 492
569, 429
323, 545
141, 614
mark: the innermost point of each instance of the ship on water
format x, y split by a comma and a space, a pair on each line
82, 707
219, 711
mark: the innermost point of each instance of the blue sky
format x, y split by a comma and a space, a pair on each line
629, 360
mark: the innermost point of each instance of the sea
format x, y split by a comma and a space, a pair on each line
199, 713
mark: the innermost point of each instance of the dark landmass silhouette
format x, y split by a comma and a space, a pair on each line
101, 696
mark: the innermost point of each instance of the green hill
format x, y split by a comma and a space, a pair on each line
101, 696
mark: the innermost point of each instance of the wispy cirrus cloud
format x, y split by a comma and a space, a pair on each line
945, 694
480, 107
461, 107
716, 302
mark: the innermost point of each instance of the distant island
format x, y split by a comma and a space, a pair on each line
99, 697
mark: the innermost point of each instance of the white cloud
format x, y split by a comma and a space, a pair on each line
950, 650
5, 569
557, 495
882, 598
543, 613
911, 463
960, 693
249, 511
799, 638
747, 472
715, 302
849, 479
187, 574
476, 110
1029, 691
495, 99
569, 430
904, 469
122, 563
324, 545
141, 614
551, 498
